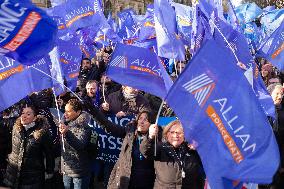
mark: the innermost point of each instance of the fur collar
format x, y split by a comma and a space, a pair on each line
40, 123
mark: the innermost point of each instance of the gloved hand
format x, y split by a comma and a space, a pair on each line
48, 176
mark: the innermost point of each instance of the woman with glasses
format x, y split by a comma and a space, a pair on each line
176, 165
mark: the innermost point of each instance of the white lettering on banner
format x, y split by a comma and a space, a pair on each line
39, 63
145, 66
225, 109
9, 18
79, 11
96, 6
7, 64
69, 57
109, 142
73, 68
109, 146
107, 157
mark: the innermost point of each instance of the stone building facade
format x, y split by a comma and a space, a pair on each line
116, 6
42, 3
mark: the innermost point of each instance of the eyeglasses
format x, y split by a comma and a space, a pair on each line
175, 132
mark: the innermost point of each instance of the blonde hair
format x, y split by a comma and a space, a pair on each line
169, 126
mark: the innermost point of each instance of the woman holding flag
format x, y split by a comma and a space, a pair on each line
176, 164
131, 170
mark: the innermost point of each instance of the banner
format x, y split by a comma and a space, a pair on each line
27, 34
109, 146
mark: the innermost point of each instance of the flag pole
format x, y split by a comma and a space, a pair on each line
104, 84
230, 46
179, 67
156, 122
59, 118
176, 67
59, 83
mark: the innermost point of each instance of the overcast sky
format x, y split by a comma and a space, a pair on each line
236, 2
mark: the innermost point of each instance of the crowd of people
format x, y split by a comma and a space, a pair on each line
39, 150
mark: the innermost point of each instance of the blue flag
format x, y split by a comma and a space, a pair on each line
224, 118
127, 25
232, 17
78, 14
139, 68
27, 33
248, 12
111, 22
57, 2
270, 21
56, 72
86, 36
17, 80
168, 42
272, 48
269, 8
184, 21
101, 39
240, 48
147, 30
70, 59
148, 44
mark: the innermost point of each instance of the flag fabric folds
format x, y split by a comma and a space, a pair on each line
70, 59
272, 48
168, 42
27, 32
127, 25
224, 118
184, 21
139, 68
74, 15
17, 80
147, 29
271, 20
248, 12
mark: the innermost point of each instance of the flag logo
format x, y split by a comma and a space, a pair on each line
119, 61
201, 87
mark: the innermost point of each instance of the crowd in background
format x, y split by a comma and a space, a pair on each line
38, 150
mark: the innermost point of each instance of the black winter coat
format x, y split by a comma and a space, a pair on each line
118, 103
122, 171
170, 164
26, 162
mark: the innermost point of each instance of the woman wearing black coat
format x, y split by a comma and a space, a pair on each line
131, 170
176, 165
31, 143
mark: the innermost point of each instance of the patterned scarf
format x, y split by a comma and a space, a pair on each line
177, 154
